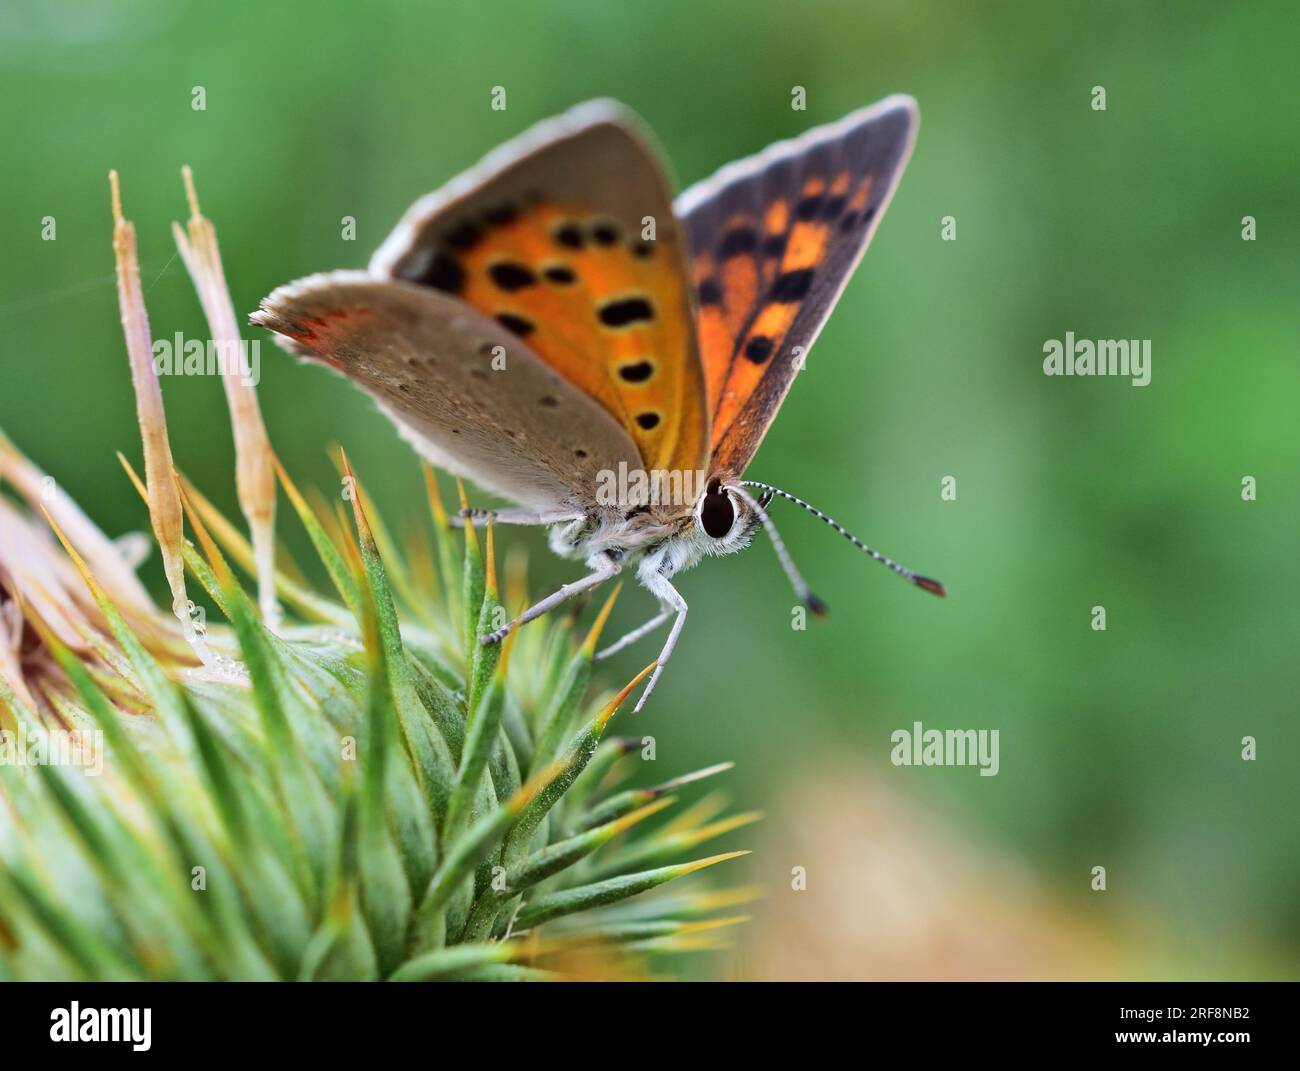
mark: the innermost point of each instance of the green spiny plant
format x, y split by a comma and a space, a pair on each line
354, 789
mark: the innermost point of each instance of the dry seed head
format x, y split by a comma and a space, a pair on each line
160, 483
254, 469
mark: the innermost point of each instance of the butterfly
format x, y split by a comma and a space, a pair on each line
555, 327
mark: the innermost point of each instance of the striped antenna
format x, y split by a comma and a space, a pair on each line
932, 586
801, 588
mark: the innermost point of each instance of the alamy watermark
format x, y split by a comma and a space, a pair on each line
54, 747
1105, 357
626, 487
75, 1023
180, 356
946, 747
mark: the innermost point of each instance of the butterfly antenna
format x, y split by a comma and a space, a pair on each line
932, 586
801, 588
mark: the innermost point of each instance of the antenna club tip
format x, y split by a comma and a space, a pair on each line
932, 586
819, 608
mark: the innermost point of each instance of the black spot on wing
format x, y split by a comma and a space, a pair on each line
511, 276
647, 421
604, 233
738, 242
809, 206
792, 285
560, 274
758, 349
623, 312
710, 292
443, 273
857, 219
569, 236
464, 236
833, 207
637, 372
501, 215
520, 325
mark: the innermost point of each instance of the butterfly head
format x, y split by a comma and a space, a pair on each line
725, 517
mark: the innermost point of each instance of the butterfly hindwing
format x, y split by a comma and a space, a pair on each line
566, 236
775, 238
435, 367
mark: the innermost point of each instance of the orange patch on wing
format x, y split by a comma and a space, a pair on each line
861, 195
318, 331
777, 217
506, 277
739, 291
716, 343
767, 332
806, 247
774, 320
730, 402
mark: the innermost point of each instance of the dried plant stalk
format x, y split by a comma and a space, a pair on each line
254, 468
159, 470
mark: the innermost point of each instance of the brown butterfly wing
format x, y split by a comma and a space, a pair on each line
461, 388
547, 235
775, 239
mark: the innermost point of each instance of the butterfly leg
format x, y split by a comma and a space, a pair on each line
668, 594
665, 612
512, 516
607, 568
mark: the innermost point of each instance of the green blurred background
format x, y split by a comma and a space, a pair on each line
1119, 748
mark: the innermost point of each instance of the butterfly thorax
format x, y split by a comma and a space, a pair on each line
659, 541
624, 535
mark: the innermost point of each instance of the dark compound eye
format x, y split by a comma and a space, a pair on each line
717, 514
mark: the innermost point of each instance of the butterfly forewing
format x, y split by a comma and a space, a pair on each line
457, 384
566, 237
775, 239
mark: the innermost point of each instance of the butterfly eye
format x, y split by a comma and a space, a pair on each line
717, 514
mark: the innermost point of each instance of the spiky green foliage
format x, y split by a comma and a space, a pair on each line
368, 793
360, 791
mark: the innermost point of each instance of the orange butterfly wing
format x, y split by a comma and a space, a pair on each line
566, 236
775, 239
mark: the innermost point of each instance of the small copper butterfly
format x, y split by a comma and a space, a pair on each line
555, 327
